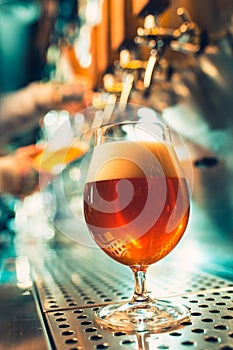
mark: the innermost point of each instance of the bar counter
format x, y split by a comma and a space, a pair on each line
50, 289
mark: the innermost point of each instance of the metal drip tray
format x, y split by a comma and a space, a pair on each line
67, 281
208, 328
79, 277
72, 284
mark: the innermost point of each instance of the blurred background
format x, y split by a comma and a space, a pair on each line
173, 57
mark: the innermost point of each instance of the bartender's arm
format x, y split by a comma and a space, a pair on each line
17, 174
22, 109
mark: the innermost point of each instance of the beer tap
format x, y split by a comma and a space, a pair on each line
185, 39
155, 39
125, 74
144, 61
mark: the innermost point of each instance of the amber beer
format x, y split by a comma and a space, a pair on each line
154, 219
47, 160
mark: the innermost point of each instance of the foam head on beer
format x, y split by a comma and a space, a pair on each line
130, 159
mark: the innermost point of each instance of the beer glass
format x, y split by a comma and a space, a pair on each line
136, 206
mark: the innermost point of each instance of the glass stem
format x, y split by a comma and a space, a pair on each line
140, 290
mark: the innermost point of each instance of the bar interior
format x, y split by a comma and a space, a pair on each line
116, 168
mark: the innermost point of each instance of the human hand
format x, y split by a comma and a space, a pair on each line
24, 108
71, 96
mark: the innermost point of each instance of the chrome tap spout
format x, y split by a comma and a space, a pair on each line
185, 39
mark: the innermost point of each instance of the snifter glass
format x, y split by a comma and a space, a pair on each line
136, 206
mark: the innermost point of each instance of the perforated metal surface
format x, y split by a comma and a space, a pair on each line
82, 277
208, 328
68, 281
73, 283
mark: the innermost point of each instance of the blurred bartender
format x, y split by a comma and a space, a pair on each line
28, 28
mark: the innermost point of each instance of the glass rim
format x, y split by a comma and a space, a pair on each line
165, 129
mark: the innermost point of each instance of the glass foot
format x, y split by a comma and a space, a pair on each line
156, 315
